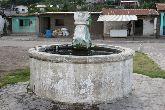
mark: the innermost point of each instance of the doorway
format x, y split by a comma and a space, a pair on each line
45, 24
139, 27
164, 25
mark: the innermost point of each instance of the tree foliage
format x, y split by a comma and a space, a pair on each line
149, 3
74, 5
8, 3
66, 5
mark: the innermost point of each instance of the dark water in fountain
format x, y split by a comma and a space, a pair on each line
69, 50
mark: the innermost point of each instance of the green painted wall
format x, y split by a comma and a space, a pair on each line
162, 24
23, 24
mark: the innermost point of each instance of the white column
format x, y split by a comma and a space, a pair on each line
155, 25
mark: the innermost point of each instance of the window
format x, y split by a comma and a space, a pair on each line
23, 10
59, 22
25, 22
16, 9
20, 22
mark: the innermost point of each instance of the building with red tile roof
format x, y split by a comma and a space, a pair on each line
161, 21
144, 25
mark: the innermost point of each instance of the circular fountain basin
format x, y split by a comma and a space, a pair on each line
81, 79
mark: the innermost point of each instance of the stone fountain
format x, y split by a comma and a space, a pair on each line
81, 72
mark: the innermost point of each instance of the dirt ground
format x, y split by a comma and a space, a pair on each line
12, 58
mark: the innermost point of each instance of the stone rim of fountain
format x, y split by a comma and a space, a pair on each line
38, 53
120, 78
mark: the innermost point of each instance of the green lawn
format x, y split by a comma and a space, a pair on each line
22, 75
146, 66
142, 65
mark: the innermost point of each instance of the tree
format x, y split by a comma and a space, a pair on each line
5, 3
26, 2
9, 3
149, 3
66, 5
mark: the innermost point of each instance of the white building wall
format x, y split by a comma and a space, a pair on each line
2, 22
107, 27
22, 9
114, 26
148, 27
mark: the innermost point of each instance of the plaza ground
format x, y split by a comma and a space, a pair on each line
148, 93
14, 50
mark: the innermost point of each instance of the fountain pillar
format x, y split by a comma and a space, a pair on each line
81, 37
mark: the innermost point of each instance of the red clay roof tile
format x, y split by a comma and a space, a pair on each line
160, 6
129, 11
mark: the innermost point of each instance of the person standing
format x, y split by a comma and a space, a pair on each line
129, 26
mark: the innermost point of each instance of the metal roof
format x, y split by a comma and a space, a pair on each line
117, 17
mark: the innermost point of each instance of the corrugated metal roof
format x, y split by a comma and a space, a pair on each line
117, 17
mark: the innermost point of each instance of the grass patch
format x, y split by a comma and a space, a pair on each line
21, 75
146, 66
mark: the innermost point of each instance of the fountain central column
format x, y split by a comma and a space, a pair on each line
81, 37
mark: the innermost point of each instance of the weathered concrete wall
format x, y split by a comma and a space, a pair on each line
148, 26
108, 26
37, 26
81, 79
2, 22
68, 22
96, 28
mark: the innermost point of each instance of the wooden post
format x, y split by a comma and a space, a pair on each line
103, 29
133, 29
